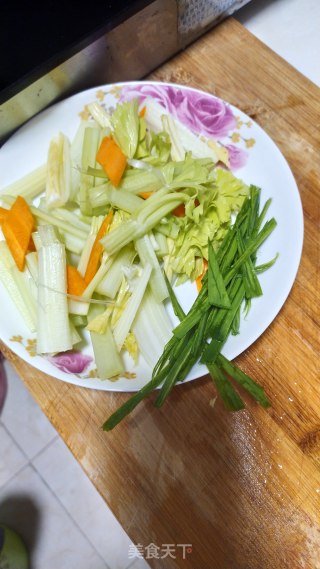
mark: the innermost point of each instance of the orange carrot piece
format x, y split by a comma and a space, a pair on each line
199, 279
75, 281
142, 112
3, 214
146, 195
112, 159
179, 211
97, 249
17, 229
31, 246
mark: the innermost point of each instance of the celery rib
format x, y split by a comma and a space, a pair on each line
30, 186
53, 330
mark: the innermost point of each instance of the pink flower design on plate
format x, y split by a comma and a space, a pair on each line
237, 156
203, 114
71, 362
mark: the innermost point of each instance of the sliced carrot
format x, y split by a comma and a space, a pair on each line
97, 249
112, 159
3, 214
199, 279
179, 211
31, 246
142, 112
75, 281
17, 229
146, 195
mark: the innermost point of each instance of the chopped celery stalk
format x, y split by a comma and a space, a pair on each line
32, 265
108, 360
106, 194
72, 243
100, 323
177, 150
75, 336
136, 181
122, 235
148, 257
77, 307
36, 240
79, 321
199, 147
110, 284
100, 115
53, 330
77, 141
81, 307
122, 296
97, 173
47, 235
106, 263
76, 154
71, 217
18, 286
161, 239
154, 242
125, 123
152, 328
162, 200
86, 251
125, 321
146, 218
89, 152
85, 254
58, 184
28, 291
61, 224
29, 186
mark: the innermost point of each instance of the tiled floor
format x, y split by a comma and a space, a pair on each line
43, 492
290, 28
46, 497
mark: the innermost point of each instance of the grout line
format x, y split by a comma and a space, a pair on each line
21, 469
30, 464
68, 513
10, 435
45, 447
8, 431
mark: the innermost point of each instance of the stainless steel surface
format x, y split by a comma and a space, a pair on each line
195, 17
127, 52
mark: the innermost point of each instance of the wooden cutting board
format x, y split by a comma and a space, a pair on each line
242, 489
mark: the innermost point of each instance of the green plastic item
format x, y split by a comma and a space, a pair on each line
13, 552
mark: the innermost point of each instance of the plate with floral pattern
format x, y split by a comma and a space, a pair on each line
253, 157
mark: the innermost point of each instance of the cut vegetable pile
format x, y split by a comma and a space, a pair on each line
135, 205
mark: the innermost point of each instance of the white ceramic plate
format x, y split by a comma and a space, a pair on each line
254, 158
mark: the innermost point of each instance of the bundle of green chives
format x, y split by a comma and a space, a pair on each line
231, 279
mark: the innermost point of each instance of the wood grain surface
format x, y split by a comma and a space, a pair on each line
243, 489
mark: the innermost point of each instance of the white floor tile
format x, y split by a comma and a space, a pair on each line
139, 564
54, 541
12, 459
68, 481
23, 417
